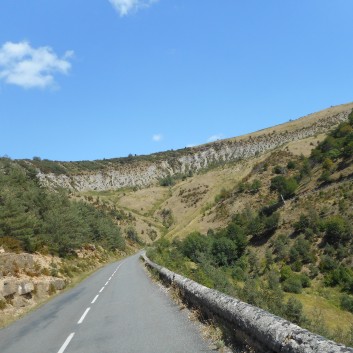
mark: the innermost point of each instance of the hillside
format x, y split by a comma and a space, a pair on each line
187, 201
281, 237
142, 171
266, 216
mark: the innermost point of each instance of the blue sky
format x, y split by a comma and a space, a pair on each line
99, 79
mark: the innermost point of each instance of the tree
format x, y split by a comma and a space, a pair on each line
337, 230
194, 245
224, 251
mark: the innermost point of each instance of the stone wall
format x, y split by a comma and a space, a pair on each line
263, 331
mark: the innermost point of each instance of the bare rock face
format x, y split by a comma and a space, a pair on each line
25, 288
8, 287
58, 283
148, 172
19, 302
22, 282
11, 264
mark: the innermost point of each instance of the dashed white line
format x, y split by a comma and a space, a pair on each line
95, 298
101, 290
110, 278
66, 343
106, 283
83, 316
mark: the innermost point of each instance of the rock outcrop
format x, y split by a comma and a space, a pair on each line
25, 278
145, 172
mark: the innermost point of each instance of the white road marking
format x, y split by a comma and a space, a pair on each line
106, 283
101, 290
66, 343
110, 278
83, 316
95, 298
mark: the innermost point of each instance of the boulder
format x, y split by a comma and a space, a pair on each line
19, 302
59, 283
8, 287
25, 288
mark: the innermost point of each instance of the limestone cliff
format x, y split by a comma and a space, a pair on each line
147, 170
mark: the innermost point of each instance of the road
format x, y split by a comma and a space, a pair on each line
117, 309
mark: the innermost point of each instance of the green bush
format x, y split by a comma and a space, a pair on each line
294, 311
305, 280
167, 181
224, 252
291, 165
327, 263
337, 230
131, 234
255, 186
194, 245
347, 302
284, 186
292, 285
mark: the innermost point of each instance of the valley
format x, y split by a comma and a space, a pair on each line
265, 217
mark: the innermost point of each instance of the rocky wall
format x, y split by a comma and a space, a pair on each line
194, 159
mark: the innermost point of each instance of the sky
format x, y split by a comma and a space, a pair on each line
86, 80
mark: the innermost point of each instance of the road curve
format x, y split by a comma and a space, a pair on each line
116, 310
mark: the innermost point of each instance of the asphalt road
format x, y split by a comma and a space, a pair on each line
116, 310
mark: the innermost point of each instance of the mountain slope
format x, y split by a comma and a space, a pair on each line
282, 238
142, 171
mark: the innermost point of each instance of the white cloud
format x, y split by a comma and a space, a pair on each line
124, 7
28, 67
157, 137
215, 138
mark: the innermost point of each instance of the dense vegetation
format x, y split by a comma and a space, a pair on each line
34, 219
266, 257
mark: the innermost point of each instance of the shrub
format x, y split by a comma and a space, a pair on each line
167, 216
167, 181
255, 186
327, 164
131, 234
291, 165
194, 245
224, 194
294, 311
327, 263
337, 230
279, 170
224, 252
292, 285
347, 302
305, 280
11, 244
281, 248
284, 186
302, 224
325, 176
286, 273
2, 304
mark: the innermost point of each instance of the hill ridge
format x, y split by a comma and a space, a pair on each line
144, 171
